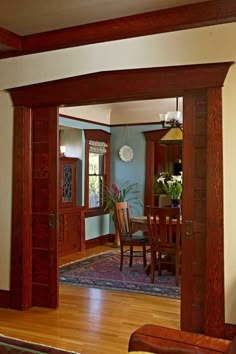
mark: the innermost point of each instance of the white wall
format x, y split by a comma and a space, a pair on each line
202, 45
6, 129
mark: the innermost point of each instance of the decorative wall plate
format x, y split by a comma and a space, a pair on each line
126, 153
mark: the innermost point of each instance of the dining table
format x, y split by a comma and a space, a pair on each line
140, 223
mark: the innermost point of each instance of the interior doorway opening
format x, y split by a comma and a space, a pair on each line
202, 99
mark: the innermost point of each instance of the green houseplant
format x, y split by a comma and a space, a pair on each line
171, 185
125, 192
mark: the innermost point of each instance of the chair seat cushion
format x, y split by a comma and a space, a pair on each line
135, 238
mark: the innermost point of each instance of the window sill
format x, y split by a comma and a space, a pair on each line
95, 212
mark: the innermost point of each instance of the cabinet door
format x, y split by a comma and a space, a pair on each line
68, 182
72, 231
69, 233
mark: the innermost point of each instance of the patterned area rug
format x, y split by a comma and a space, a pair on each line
102, 271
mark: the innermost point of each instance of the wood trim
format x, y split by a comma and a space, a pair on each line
95, 212
21, 250
97, 135
83, 120
162, 82
45, 181
151, 137
214, 305
107, 125
230, 331
10, 39
135, 124
97, 241
139, 84
5, 298
206, 13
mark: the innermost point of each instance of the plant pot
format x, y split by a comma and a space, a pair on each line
175, 203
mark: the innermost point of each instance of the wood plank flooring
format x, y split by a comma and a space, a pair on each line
90, 321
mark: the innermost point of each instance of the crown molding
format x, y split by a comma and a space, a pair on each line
10, 40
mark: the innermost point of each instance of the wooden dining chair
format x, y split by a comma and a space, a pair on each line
127, 238
164, 234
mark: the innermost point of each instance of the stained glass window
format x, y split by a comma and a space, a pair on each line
67, 183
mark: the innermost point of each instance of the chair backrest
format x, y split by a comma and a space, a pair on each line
123, 217
164, 227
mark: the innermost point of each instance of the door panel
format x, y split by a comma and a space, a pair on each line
44, 207
194, 209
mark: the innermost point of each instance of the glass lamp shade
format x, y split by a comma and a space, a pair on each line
177, 115
62, 149
163, 117
173, 136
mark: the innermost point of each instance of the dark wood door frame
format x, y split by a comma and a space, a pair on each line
114, 86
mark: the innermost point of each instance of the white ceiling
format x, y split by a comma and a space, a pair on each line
26, 17
126, 112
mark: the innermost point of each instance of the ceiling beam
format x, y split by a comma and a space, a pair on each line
201, 14
10, 40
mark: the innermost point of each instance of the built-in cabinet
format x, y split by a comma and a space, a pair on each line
159, 158
71, 216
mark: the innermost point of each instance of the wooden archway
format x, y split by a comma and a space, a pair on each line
34, 263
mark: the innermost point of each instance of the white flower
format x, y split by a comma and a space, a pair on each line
171, 184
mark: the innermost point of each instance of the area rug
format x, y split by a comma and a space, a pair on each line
9, 345
103, 271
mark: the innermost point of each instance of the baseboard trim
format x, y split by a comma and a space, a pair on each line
230, 331
98, 241
5, 298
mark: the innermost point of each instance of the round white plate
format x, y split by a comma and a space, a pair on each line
126, 153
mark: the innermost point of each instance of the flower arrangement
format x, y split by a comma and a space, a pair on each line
126, 192
171, 185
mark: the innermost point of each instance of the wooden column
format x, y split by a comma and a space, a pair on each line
21, 253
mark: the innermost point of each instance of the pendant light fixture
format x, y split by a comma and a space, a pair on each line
174, 120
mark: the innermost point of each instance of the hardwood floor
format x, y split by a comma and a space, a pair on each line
90, 321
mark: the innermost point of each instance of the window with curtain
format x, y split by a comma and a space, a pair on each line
97, 173
97, 169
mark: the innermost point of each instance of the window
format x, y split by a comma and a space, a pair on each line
97, 169
97, 176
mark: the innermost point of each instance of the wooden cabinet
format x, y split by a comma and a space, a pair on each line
71, 218
71, 231
67, 197
159, 158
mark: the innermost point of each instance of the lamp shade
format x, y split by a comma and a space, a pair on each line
173, 136
62, 149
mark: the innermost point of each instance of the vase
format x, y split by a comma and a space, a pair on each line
175, 203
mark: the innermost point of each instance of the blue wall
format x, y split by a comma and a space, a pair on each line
133, 171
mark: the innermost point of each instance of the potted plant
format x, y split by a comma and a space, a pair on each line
172, 186
125, 192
